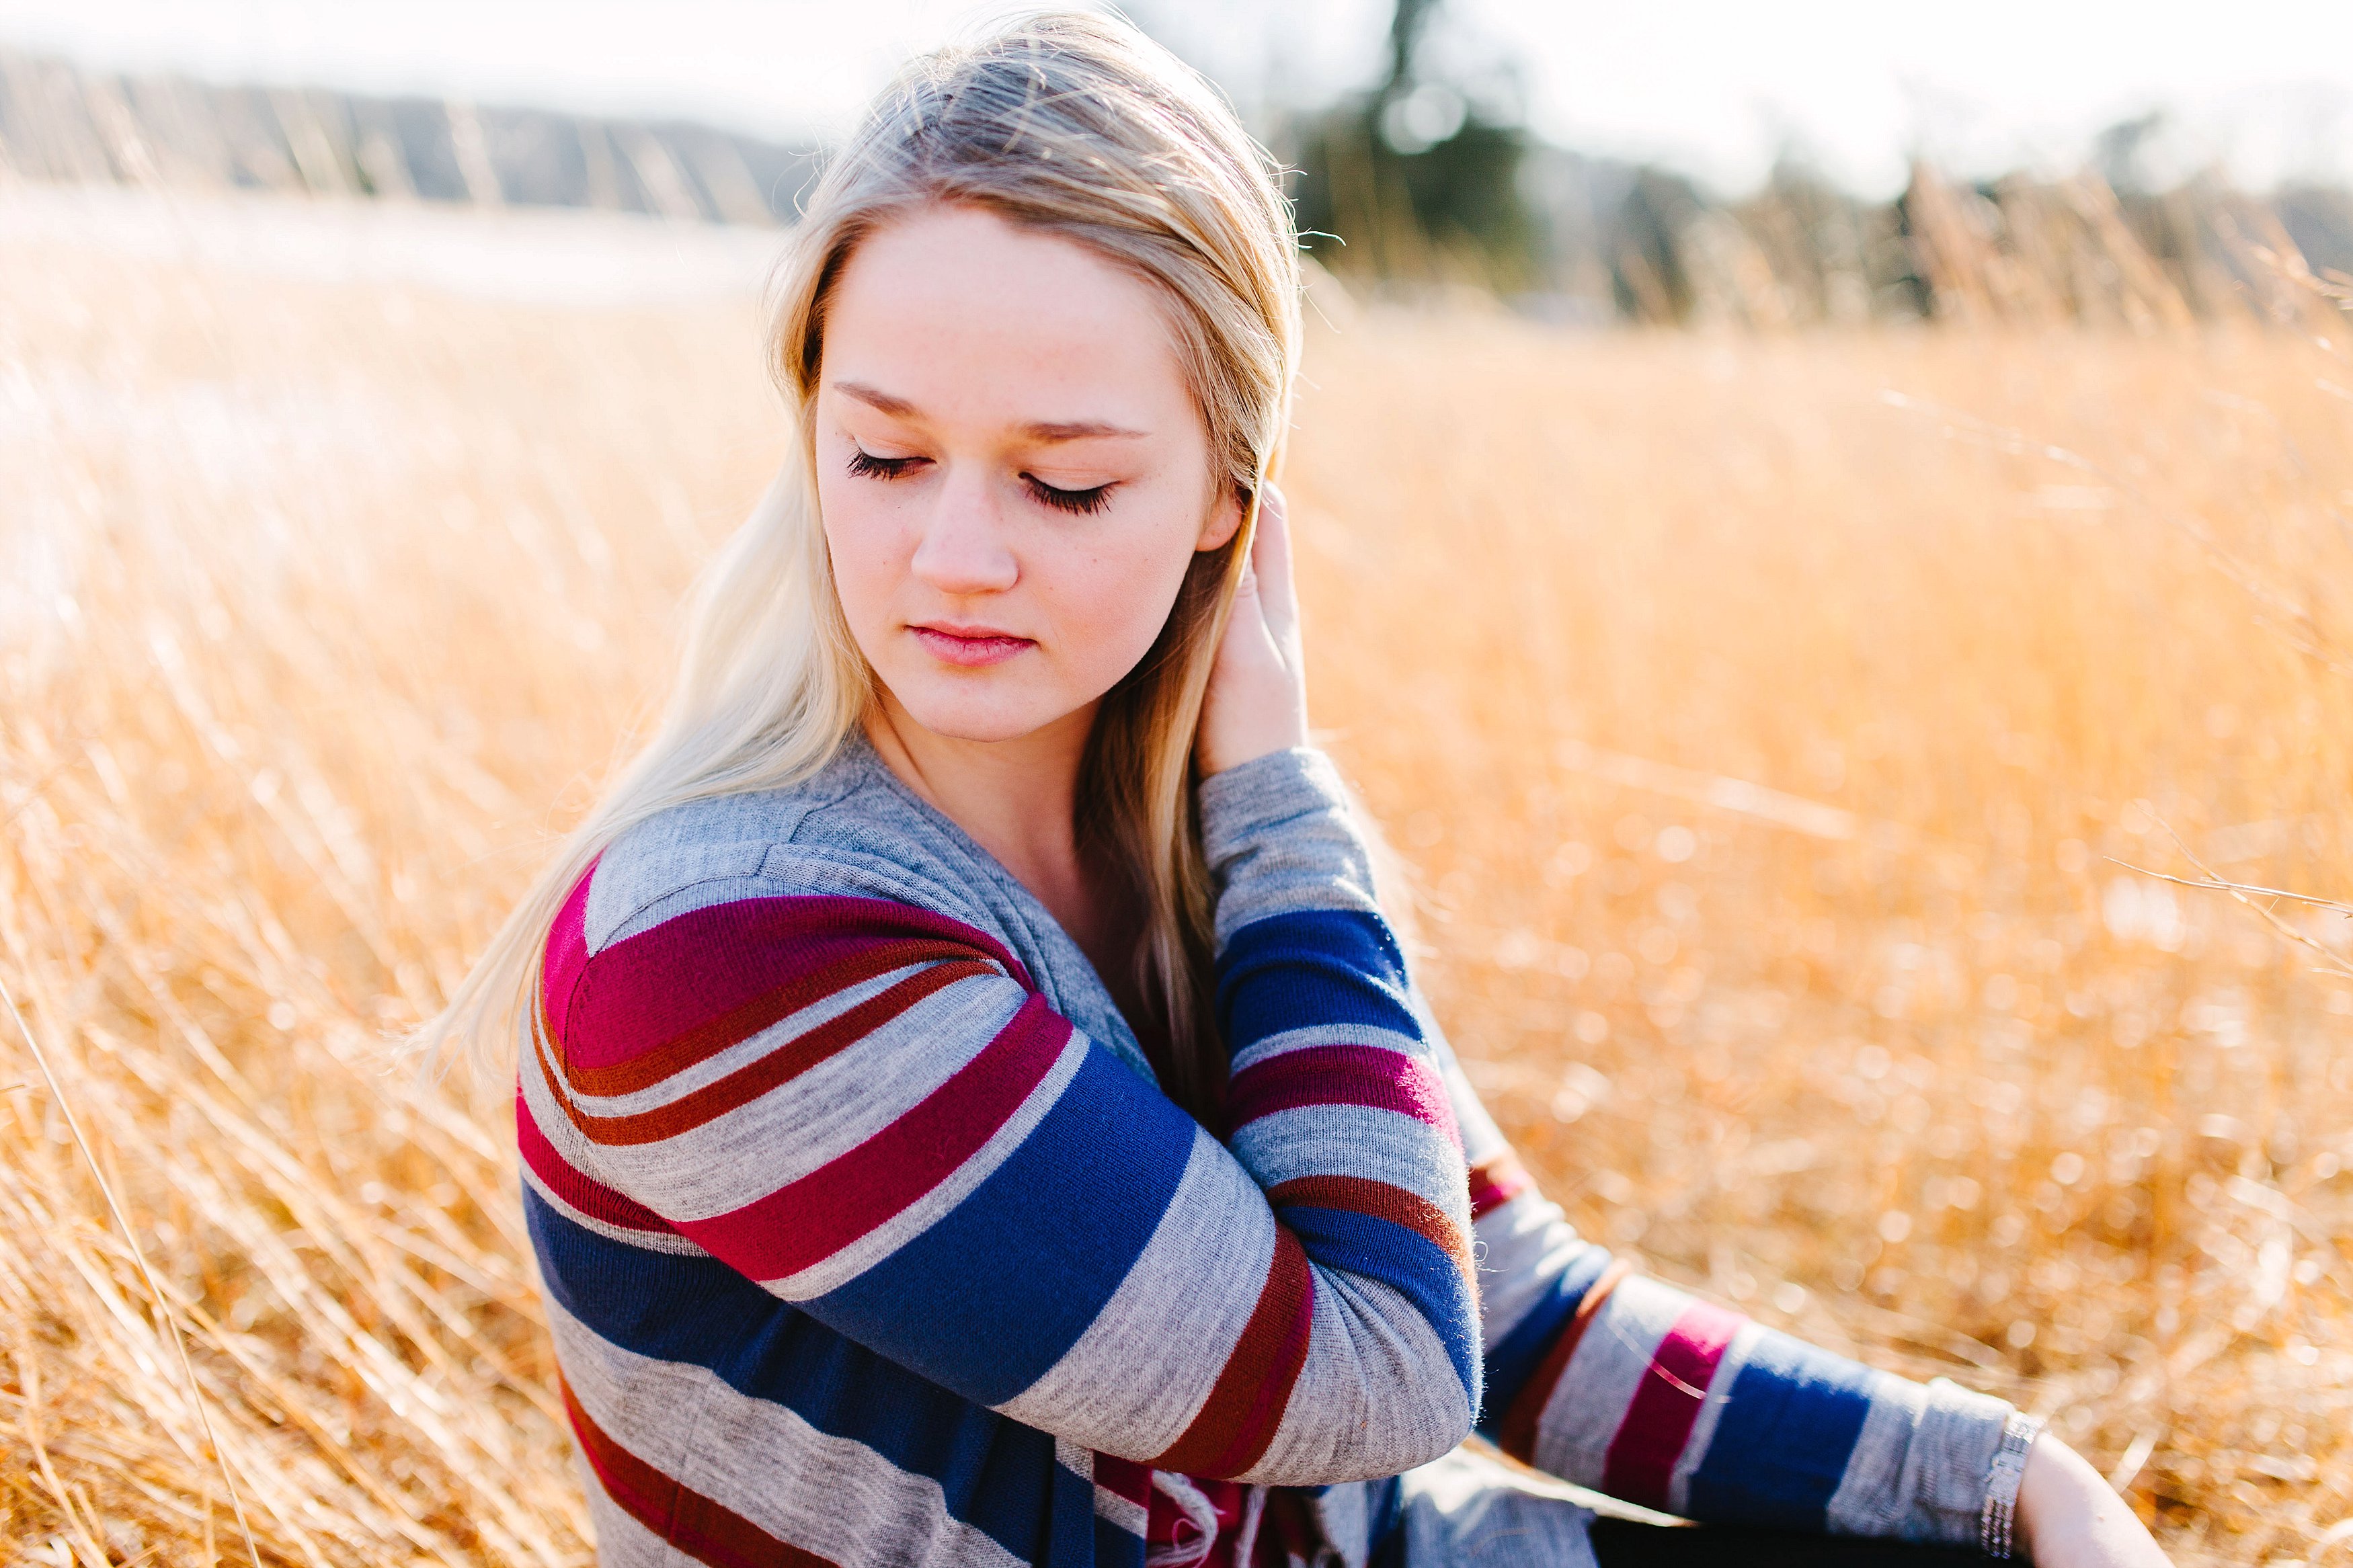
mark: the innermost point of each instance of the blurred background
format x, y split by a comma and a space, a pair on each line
1827, 535
1826, 162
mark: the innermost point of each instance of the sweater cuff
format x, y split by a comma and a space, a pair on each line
1279, 838
1921, 1463
1959, 1431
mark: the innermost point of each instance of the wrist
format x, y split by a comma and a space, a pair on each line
1226, 741
2069, 1515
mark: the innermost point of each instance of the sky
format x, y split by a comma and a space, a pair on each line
1716, 87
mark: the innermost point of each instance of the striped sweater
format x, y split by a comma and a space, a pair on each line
867, 1236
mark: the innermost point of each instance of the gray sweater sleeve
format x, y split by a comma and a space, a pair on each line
1622, 1383
1278, 837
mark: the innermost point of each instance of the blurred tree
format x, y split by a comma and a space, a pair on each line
1418, 179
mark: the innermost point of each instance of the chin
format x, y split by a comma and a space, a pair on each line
969, 710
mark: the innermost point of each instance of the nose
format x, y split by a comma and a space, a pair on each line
963, 550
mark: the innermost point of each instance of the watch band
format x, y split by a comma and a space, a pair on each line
2018, 1434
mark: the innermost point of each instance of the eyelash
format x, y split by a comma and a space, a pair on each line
866, 465
1080, 502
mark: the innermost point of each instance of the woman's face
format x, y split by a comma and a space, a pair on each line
1012, 472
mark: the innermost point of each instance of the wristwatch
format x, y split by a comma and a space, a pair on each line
2018, 1434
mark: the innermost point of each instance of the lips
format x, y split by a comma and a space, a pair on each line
969, 646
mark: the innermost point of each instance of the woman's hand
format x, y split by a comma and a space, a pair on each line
1256, 701
2069, 1517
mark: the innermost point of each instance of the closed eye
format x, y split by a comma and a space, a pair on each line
868, 466
1086, 500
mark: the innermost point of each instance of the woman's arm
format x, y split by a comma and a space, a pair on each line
2069, 1517
1641, 1391
873, 1111
1620, 1383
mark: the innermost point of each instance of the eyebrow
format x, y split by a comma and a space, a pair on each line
1048, 430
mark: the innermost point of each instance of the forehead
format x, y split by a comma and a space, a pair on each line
970, 317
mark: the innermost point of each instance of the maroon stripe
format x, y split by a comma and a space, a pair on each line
642, 993
1123, 1477
1342, 1075
1495, 1183
809, 1220
1518, 1436
803, 988
1234, 1426
1658, 1420
591, 1197
566, 953
1362, 1195
701, 1527
766, 1072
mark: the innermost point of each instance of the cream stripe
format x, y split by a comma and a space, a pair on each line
918, 1216
1711, 1411
649, 1240
1611, 1361
751, 1049
1259, 1052
830, 1495
1134, 1379
802, 1125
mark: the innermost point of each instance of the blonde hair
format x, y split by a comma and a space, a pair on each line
1074, 125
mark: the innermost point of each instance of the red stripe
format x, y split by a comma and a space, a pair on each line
1342, 1075
702, 1528
596, 1033
567, 950
1233, 1426
1496, 1183
591, 1197
1517, 1435
809, 1220
1123, 1477
772, 1068
647, 991
1658, 1421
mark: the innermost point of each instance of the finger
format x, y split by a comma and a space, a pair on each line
1270, 563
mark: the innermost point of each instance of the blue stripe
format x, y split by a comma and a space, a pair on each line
1513, 1359
1384, 1523
1316, 967
1074, 1537
1407, 1262
990, 1296
1783, 1440
1115, 1548
995, 1473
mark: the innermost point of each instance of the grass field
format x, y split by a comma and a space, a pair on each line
1781, 730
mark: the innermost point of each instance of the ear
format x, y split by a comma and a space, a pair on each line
1225, 519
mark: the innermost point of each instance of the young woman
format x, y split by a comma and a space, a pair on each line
972, 1108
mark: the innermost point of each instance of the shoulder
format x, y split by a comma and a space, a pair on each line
835, 835
716, 920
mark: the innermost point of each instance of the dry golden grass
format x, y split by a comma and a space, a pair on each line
1766, 749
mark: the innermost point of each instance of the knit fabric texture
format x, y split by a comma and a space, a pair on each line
868, 1238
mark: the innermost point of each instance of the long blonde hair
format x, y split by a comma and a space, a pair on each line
1075, 125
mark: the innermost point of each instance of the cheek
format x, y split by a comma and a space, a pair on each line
864, 547
1111, 600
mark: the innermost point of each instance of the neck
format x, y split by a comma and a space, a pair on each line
1018, 799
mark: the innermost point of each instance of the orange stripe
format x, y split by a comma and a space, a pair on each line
756, 1077
703, 1528
1518, 1436
748, 1017
1246, 1405
1362, 1195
